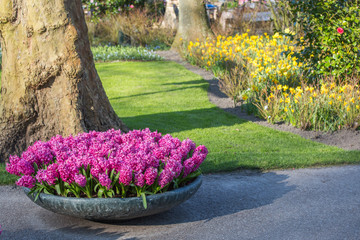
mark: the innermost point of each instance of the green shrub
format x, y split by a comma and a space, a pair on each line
331, 36
99, 8
231, 5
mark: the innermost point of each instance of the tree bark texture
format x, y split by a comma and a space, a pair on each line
49, 83
171, 15
193, 22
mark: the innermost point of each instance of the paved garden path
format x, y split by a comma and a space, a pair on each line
293, 204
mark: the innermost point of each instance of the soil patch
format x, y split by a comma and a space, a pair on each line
345, 139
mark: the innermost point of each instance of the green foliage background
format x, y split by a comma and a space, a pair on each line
100, 7
325, 50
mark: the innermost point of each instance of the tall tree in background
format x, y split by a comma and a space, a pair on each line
193, 22
49, 82
171, 15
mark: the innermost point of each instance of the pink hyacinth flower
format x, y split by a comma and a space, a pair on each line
151, 175
26, 181
25, 167
166, 176
105, 180
125, 175
12, 166
80, 180
139, 179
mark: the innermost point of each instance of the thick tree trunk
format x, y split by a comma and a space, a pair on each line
171, 15
49, 83
193, 22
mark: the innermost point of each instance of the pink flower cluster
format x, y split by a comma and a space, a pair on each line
140, 157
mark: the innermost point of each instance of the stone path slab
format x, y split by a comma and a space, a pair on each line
319, 203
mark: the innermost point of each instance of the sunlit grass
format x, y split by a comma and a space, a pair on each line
5, 177
166, 97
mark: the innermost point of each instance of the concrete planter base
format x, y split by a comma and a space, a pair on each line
112, 209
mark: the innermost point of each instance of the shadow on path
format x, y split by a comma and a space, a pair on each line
221, 195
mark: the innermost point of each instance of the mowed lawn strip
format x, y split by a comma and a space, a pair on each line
164, 96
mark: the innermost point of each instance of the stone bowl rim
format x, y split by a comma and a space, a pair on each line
174, 191
115, 209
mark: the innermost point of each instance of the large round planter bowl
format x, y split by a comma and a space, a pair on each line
112, 209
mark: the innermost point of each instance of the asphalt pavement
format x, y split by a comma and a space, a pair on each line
318, 203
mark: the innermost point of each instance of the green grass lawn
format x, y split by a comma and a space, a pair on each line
5, 177
164, 96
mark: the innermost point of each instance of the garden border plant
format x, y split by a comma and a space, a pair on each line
137, 27
329, 106
330, 36
252, 75
245, 65
108, 164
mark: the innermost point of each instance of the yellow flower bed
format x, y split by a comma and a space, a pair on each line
263, 56
329, 106
273, 82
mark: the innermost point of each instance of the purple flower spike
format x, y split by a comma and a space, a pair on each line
12, 167
25, 167
166, 177
105, 180
139, 180
26, 181
80, 180
189, 166
65, 172
141, 157
40, 176
202, 149
150, 175
125, 175
51, 174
